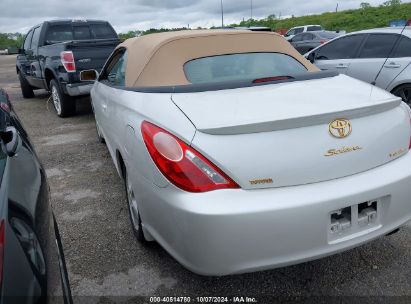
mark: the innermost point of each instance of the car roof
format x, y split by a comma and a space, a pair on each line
389, 30
158, 59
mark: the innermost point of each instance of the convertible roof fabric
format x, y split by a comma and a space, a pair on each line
158, 59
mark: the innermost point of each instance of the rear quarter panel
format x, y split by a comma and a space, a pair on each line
120, 125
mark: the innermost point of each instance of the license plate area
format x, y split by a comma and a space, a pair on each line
352, 221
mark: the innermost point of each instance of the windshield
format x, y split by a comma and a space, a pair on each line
314, 28
241, 67
67, 32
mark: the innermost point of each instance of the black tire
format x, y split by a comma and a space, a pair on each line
26, 88
64, 105
135, 218
403, 91
99, 136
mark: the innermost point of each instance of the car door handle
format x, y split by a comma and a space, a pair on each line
342, 66
392, 65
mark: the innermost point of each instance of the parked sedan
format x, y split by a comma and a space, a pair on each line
238, 155
378, 56
306, 42
32, 266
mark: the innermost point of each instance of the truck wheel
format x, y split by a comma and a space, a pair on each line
26, 88
64, 105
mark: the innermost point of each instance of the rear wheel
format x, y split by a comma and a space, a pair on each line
133, 209
26, 88
63, 104
404, 91
99, 136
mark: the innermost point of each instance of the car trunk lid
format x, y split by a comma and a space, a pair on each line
281, 134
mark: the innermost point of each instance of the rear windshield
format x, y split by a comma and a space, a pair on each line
67, 32
247, 66
314, 28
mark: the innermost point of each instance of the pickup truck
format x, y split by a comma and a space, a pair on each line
55, 52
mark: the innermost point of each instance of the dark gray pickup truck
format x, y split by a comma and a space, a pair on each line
55, 52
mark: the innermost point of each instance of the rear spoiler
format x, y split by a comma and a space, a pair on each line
228, 85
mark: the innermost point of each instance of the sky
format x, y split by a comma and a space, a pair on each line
125, 15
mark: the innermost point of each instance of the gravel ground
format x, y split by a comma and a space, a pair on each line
104, 259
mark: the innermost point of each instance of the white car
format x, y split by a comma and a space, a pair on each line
378, 56
302, 29
240, 155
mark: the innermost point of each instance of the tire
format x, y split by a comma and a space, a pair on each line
26, 88
100, 137
64, 105
403, 91
135, 218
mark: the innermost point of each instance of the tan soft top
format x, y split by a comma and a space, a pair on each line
158, 59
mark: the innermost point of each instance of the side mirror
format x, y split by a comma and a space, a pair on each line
311, 57
11, 140
89, 75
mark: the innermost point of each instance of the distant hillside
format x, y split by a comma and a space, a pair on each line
351, 20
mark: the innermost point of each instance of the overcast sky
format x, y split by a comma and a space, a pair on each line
125, 15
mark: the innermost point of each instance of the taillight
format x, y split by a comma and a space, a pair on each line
323, 41
67, 59
181, 164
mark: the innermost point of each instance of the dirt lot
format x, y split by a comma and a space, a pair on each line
104, 259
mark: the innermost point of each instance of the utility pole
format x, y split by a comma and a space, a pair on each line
222, 15
336, 9
251, 9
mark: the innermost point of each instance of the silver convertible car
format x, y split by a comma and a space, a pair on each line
239, 155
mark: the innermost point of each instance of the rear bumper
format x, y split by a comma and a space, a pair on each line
78, 89
235, 231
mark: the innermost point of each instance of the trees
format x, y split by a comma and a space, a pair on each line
392, 3
10, 39
365, 5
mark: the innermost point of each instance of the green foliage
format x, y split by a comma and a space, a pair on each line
351, 20
132, 34
392, 3
153, 30
11, 39
365, 5
129, 34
